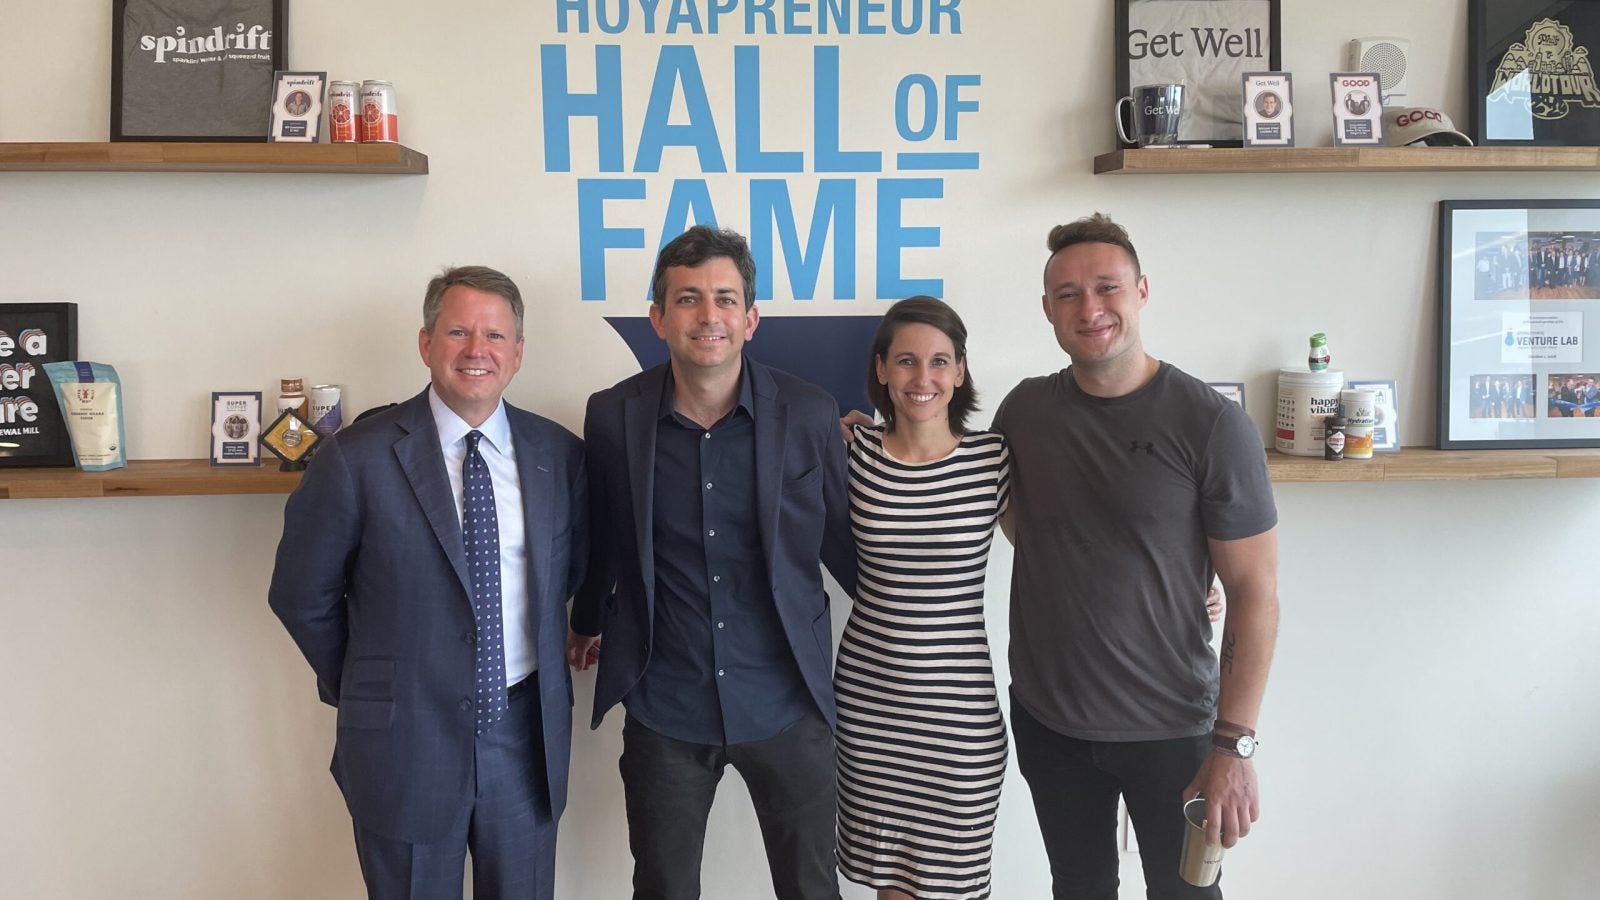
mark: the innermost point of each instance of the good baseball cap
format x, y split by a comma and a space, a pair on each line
1404, 125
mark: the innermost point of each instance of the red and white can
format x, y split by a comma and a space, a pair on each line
344, 111
380, 118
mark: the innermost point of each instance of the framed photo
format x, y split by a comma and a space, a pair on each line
1519, 323
1530, 72
1386, 409
235, 428
1357, 109
194, 70
1233, 390
1268, 109
32, 430
297, 99
1204, 45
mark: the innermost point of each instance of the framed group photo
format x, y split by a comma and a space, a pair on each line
1204, 45
1519, 323
1530, 72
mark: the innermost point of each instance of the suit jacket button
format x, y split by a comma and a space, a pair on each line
468, 638
466, 705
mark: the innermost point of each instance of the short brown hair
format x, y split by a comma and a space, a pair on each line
923, 310
1095, 229
694, 248
479, 278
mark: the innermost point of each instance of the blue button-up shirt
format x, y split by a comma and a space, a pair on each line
721, 671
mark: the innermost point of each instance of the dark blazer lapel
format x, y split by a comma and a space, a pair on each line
421, 460
535, 474
771, 425
639, 436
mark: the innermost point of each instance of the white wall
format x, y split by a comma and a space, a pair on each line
1431, 723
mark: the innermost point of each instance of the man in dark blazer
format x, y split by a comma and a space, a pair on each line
424, 570
721, 483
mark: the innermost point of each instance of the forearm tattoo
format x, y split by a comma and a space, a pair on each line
1229, 642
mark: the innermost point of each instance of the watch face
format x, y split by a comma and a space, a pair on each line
1245, 745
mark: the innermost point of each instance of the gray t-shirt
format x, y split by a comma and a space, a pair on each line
1114, 499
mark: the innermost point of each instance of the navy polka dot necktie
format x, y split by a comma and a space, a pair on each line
481, 534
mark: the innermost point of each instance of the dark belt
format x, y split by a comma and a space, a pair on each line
525, 684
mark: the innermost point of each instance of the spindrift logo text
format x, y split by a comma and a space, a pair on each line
253, 37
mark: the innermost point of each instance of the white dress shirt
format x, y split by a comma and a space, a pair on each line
501, 457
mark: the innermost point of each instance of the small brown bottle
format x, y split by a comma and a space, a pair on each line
1333, 437
292, 395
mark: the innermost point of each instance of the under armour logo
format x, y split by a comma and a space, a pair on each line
1146, 446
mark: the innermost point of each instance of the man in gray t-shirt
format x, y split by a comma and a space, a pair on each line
1133, 484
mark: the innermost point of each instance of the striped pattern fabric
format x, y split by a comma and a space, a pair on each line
922, 745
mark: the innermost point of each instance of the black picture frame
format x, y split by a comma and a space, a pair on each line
210, 117
44, 441
1212, 113
1508, 111
1519, 318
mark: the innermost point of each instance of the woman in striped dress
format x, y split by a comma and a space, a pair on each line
921, 743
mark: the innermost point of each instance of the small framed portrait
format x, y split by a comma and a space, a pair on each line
1233, 390
1357, 109
297, 99
235, 428
1268, 109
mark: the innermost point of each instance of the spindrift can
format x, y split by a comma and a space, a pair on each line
344, 111
380, 118
327, 408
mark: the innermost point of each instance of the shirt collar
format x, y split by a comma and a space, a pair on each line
746, 396
452, 428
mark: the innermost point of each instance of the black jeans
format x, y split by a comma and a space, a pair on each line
1075, 786
669, 785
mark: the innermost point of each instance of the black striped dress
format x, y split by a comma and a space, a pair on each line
922, 745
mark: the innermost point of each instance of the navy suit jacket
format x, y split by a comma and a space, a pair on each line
802, 511
371, 582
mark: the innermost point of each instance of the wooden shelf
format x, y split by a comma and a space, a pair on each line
147, 478
192, 477
141, 156
1229, 160
1427, 464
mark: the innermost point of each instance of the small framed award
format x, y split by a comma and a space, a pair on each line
1268, 109
291, 439
1357, 109
1233, 390
297, 106
235, 428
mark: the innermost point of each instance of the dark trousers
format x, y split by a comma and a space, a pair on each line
1075, 785
508, 828
669, 785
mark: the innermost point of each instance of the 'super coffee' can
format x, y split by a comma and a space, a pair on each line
344, 111
380, 118
327, 408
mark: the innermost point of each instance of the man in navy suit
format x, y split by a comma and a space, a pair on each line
722, 483
424, 570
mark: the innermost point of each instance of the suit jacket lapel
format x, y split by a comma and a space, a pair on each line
771, 426
639, 436
421, 460
535, 473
